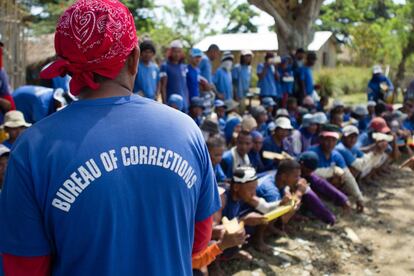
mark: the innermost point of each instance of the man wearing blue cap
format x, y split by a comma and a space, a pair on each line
176, 101
193, 74
270, 106
220, 113
196, 110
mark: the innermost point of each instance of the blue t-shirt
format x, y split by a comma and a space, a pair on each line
374, 87
220, 175
193, 77
267, 85
108, 196
349, 155
242, 75
35, 102
61, 82
4, 83
268, 190
335, 158
286, 86
147, 79
408, 124
223, 82
206, 69
227, 163
270, 145
307, 76
176, 80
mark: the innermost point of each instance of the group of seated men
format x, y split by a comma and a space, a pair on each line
266, 157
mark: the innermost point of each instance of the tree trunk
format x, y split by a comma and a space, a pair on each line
406, 53
293, 21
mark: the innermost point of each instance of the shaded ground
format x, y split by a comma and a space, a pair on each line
378, 242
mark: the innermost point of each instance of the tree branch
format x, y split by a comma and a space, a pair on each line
266, 6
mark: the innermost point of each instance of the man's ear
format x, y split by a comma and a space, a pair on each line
133, 60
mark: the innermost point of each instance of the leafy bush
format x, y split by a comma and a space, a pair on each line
342, 80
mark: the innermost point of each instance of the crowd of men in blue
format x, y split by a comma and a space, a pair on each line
327, 151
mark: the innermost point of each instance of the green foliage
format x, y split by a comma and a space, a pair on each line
343, 80
240, 20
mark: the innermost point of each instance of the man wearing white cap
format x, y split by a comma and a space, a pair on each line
277, 141
222, 78
380, 87
14, 125
173, 74
242, 75
360, 164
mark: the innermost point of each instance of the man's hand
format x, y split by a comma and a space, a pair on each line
231, 240
253, 219
380, 147
302, 186
409, 163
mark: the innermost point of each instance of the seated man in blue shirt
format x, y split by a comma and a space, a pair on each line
276, 141
148, 77
255, 152
14, 125
332, 166
281, 187
361, 164
241, 192
259, 113
196, 110
216, 146
237, 156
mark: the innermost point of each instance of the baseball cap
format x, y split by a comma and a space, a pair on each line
308, 119
219, 103
231, 104
176, 44
14, 119
376, 69
227, 55
176, 100
330, 130
283, 123
244, 175
338, 103
282, 112
378, 136
195, 52
378, 124
360, 110
197, 102
371, 103
248, 123
257, 110
320, 118
309, 159
350, 129
268, 102
308, 101
246, 53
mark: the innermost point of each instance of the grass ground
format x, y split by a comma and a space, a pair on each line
358, 98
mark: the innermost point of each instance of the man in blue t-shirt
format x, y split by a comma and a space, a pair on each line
267, 75
306, 75
38, 102
380, 87
332, 165
216, 145
112, 180
193, 75
173, 74
242, 75
148, 77
237, 156
222, 78
206, 64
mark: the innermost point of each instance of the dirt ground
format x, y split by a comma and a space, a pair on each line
378, 242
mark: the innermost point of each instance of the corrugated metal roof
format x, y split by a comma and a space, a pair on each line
255, 41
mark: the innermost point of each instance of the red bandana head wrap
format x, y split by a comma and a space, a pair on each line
92, 36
